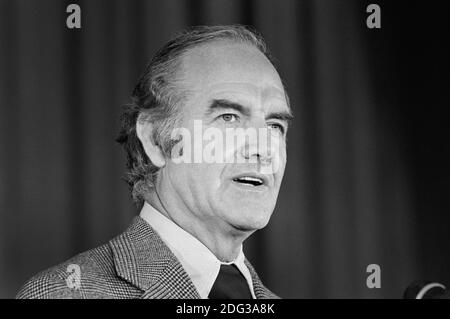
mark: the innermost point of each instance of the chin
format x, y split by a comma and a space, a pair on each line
251, 220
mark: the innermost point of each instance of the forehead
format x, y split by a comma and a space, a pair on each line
224, 69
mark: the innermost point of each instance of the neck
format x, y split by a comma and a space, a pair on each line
225, 245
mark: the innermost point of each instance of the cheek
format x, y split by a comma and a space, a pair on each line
280, 165
211, 175
279, 158
204, 178
280, 173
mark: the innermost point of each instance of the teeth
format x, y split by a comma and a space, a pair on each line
246, 178
251, 180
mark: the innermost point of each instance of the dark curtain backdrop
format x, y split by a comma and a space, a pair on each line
367, 170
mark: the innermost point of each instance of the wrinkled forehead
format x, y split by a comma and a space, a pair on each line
246, 93
232, 66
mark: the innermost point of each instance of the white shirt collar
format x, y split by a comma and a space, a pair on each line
198, 261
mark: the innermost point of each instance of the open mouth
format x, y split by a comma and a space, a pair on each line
249, 180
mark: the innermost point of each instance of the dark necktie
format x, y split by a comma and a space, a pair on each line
230, 284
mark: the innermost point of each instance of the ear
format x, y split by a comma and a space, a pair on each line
144, 131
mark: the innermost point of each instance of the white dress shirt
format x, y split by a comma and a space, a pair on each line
198, 261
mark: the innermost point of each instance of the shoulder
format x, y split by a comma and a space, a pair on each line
88, 275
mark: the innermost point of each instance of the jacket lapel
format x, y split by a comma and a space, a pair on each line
261, 292
142, 259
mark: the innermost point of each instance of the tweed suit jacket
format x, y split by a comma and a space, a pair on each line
136, 264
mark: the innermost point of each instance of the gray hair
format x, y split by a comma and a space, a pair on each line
157, 98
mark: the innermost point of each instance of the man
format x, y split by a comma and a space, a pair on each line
196, 213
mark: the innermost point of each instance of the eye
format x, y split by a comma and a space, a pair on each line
276, 126
229, 117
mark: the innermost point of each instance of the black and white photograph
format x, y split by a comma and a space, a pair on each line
224, 149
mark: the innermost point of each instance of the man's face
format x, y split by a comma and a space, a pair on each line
231, 85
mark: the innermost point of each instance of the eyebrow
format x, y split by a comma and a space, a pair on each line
221, 104
216, 104
282, 116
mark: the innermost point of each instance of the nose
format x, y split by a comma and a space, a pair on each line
259, 147
252, 152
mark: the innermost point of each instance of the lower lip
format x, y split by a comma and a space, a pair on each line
249, 187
